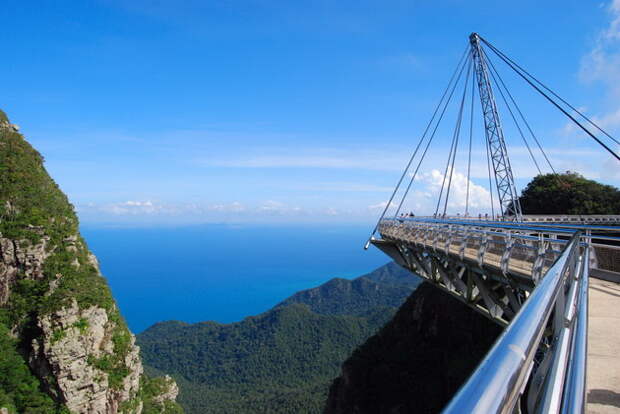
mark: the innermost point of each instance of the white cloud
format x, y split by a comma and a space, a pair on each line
479, 197
609, 120
132, 207
381, 205
602, 64
330, 211
423, 196
234, 207
271, 207
154, 208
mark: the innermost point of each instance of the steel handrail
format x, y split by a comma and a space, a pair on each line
498, 381
556, 377
574, 399
532, 225
445, 224
470, 230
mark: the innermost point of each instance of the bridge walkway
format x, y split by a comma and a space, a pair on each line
603, 394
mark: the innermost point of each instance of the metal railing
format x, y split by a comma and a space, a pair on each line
513, 377
535, 247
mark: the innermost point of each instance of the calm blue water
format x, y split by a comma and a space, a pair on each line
222, 273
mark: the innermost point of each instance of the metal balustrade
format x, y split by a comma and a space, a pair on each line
552, 322
532, 279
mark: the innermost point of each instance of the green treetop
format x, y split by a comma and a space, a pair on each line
569, 193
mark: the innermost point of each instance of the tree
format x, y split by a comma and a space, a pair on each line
569, 193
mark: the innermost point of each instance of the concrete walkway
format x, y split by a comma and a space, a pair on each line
603, 393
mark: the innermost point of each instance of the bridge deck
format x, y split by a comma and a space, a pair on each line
604, 348
467, 241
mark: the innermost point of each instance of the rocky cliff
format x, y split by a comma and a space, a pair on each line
417, 361
63, 345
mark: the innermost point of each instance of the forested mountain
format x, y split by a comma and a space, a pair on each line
283, 360
386, 286
417, 361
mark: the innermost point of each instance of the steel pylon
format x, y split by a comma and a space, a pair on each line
504, 179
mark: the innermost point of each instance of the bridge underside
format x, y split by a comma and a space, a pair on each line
491, 271
531, 278
491, 294
528, 278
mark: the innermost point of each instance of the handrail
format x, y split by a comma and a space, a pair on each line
446, 223
533, 225
445, 228
574, 400
564, 333
499, 380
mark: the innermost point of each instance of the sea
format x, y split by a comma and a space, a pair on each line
222, 273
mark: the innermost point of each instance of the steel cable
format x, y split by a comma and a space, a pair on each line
430, 140
520, 114
461, 60
552, 92
514, 119
512, 66
458, 134
471, 133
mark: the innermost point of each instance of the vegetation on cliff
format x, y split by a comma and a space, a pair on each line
20, 391
283, 360
417, 361
46, 273
568, 193
32, 208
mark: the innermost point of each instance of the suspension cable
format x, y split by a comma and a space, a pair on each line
490, 183
552, 92
430, 139
445, 174
527, 124
471, 133
458, 134
461, 60
512, 66
514, 119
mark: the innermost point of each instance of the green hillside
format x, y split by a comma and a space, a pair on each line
56, 309
281, 361
387, 286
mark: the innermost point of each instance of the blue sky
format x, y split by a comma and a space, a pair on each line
176, 112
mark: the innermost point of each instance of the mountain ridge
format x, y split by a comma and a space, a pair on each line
281, 360
385, 286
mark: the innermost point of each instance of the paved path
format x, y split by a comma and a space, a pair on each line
604, 347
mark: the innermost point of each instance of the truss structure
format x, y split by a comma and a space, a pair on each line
504, 180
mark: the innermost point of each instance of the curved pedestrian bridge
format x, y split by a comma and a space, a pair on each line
532, 277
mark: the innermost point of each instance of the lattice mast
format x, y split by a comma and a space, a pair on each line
504, 179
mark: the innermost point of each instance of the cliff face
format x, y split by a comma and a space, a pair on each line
417, 361
56, 306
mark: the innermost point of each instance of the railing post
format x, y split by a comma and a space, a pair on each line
497, 383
